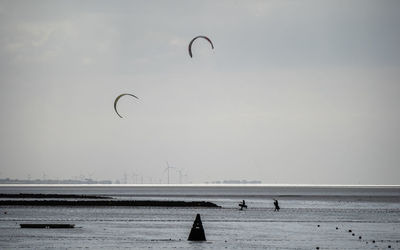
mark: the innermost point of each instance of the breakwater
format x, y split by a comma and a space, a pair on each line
53, 196
90, 203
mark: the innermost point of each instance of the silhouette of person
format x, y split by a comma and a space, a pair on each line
242, 205
276, 205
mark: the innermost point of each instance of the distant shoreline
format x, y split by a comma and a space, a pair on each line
208, 185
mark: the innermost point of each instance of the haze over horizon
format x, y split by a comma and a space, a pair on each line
295, 92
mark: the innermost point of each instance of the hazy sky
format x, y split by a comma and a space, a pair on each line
294, 91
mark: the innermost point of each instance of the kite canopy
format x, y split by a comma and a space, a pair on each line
116, 100
191, 42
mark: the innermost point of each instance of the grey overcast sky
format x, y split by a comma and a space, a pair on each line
299, 92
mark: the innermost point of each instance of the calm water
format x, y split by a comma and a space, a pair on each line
370, 212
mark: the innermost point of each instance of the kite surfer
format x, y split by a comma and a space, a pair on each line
242, 205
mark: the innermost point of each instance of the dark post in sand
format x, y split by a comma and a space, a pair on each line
197, 232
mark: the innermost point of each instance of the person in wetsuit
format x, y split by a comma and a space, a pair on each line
276, 205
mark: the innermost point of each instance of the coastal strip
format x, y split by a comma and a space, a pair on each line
97, 203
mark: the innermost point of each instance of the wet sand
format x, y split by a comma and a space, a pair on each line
307, 223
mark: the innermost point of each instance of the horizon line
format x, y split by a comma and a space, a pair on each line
201, 185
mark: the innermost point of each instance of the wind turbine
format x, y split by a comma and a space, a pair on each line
167, 169
134, 177
125, 178
90, 175
180, 175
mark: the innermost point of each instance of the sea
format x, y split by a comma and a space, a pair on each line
311, 217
